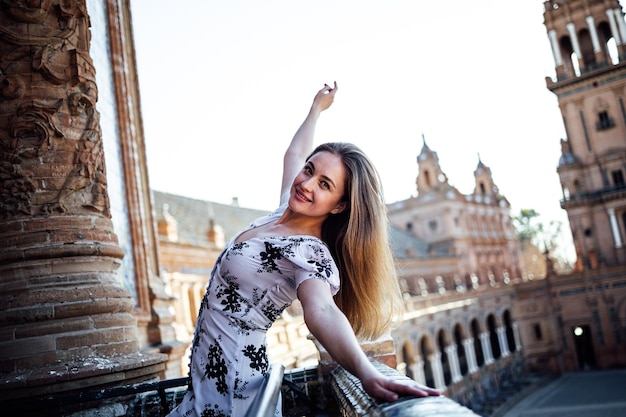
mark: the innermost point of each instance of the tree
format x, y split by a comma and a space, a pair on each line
538, 240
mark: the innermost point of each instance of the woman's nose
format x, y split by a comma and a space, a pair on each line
306, 183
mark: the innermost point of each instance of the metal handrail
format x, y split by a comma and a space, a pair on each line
264, 403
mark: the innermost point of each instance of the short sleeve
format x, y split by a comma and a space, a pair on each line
313, 260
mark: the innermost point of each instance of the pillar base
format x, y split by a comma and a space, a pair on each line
81, 374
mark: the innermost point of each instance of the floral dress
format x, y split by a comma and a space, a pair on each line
252, 282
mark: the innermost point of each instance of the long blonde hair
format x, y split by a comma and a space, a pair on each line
358, 239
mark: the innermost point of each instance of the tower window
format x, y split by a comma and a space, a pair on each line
538, 334
427, 176
618, 178
604, 121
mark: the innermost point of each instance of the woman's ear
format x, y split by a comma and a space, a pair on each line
341, 207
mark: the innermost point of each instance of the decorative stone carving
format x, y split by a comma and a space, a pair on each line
60, 299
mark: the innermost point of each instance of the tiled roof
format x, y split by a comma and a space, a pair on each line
193, 216
406, 245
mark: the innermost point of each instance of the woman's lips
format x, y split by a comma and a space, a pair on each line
302, 196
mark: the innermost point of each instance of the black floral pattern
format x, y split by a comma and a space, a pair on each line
323, 268
239, 388
212, 410
272, 312
229, 295
269, 257
241, 326
258, 357
216, 368
236, 249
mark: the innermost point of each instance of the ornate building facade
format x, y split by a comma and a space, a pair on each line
475, 230
459, 332
578, 321
588, 40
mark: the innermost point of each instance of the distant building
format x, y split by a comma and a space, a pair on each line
475, 231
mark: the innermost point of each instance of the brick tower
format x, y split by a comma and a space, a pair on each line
588, 40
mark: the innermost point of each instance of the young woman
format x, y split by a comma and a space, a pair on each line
327, 246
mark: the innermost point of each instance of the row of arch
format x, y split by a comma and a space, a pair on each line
451, 355
578, 50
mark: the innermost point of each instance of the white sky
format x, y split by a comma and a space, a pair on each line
225, 84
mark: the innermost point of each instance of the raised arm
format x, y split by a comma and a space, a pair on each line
302, 143
330, 326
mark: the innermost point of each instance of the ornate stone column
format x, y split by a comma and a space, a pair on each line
504, 346
435, 363
418, 371
64, 314
455, 369
484, 341
518, 345
468, 345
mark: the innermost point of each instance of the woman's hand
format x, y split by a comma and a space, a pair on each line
324, 98
390, 390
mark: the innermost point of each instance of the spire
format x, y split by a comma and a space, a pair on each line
484, 180
430, 177
425, 148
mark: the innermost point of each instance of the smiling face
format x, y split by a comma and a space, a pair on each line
318, 189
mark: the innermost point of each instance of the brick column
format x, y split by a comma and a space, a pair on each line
64, 315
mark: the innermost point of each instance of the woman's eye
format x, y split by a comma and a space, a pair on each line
308, 170
325, 185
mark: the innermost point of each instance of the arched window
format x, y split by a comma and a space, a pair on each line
427, 177
460, 350
586, 48
445, 361
493, 337
426, 352
408, 359
510, 336
478, 349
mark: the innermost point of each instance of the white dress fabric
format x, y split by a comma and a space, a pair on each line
252, 282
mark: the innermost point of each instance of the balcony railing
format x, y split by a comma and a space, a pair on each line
339, 395
605, 194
